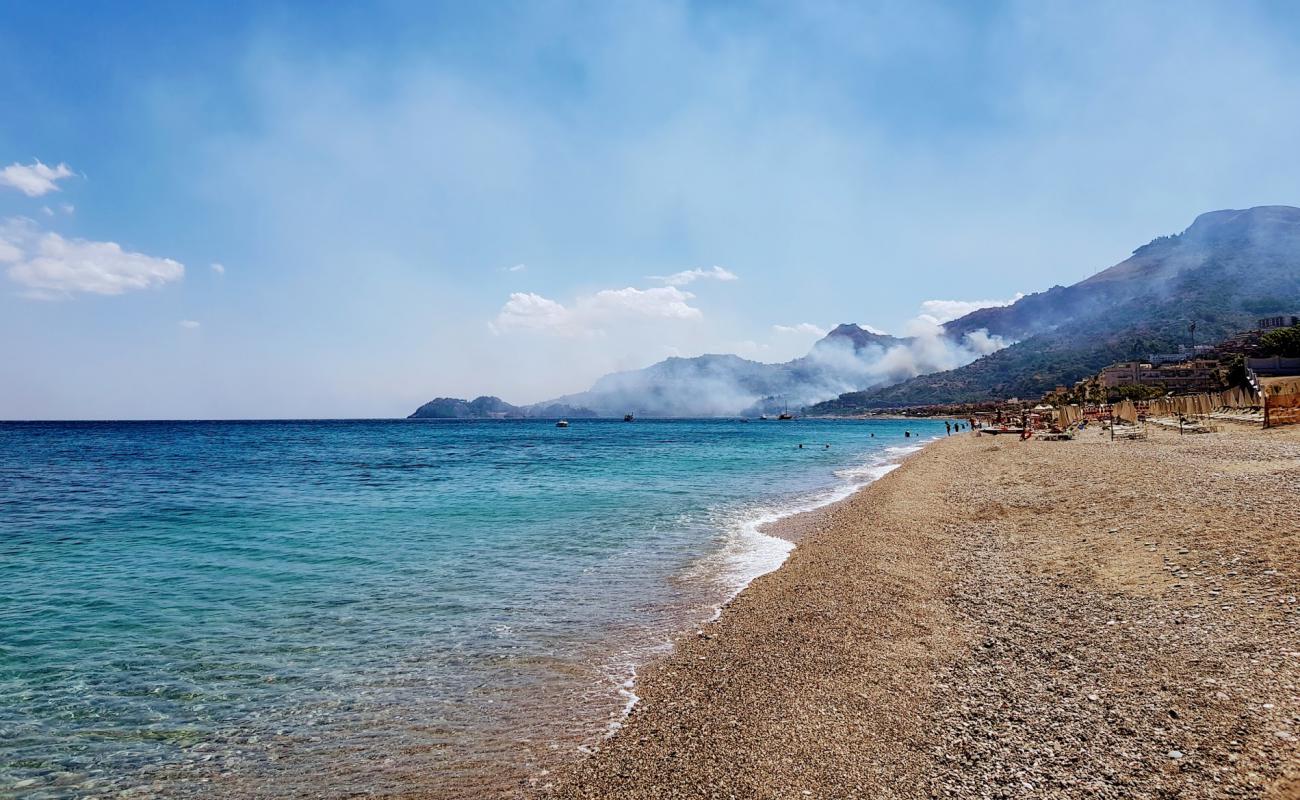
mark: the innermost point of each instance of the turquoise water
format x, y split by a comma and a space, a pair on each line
285, 609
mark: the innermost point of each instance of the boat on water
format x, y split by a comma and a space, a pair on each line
564, 423
763, 416
629, 418
786, 415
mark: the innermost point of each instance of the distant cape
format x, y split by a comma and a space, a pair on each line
487, 407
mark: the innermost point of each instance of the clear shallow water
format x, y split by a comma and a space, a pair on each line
284, 609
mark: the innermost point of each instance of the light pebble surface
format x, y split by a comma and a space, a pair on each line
1000, 619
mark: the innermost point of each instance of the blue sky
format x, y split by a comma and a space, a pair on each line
415, 199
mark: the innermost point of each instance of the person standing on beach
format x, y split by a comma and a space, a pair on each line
948, 425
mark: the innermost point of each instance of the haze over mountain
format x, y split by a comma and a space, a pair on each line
848, 357
1223, 272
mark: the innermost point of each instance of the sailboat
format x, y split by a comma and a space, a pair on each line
785, 414
629, 417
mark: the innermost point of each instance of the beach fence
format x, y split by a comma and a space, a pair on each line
1281, 401
1189, 405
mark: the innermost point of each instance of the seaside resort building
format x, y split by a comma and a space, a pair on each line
1189, 376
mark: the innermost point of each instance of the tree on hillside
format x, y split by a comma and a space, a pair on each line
1283, 342
1133, 391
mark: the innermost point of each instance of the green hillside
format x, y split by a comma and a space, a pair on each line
1225, 271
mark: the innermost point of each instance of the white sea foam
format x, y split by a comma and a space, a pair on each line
747, 552
625, 690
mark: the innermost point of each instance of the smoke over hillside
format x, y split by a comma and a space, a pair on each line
849, 358
1224, 271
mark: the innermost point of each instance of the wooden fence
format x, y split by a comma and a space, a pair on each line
1281, 401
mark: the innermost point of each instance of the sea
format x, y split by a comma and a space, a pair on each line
371, 608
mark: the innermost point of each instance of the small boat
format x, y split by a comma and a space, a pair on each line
763, 416
628, 417
564, 423
786, 415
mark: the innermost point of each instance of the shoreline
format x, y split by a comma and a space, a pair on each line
788, 527
857, 664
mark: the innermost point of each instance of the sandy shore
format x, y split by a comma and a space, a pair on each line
1000, 619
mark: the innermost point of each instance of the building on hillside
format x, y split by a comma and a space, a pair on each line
1283, 321
1188, 376
1184, 353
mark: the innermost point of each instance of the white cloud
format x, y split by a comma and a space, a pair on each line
517, 268
9, 253
50, 265
803, 329
189, 323
34, 179
941, 311
530, 311
692, 275
68, 208
870, 329
218, 268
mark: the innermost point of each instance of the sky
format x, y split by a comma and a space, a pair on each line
327, 209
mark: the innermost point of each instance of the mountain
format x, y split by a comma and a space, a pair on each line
1223, 272
849, 357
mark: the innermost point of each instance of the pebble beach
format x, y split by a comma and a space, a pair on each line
998, 618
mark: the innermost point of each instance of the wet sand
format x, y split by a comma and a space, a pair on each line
1000, 619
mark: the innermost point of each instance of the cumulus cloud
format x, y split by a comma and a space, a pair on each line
803, 329
189, 323
34, 179
692, 275
50, 265
940, 311
530, 311
218, 268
